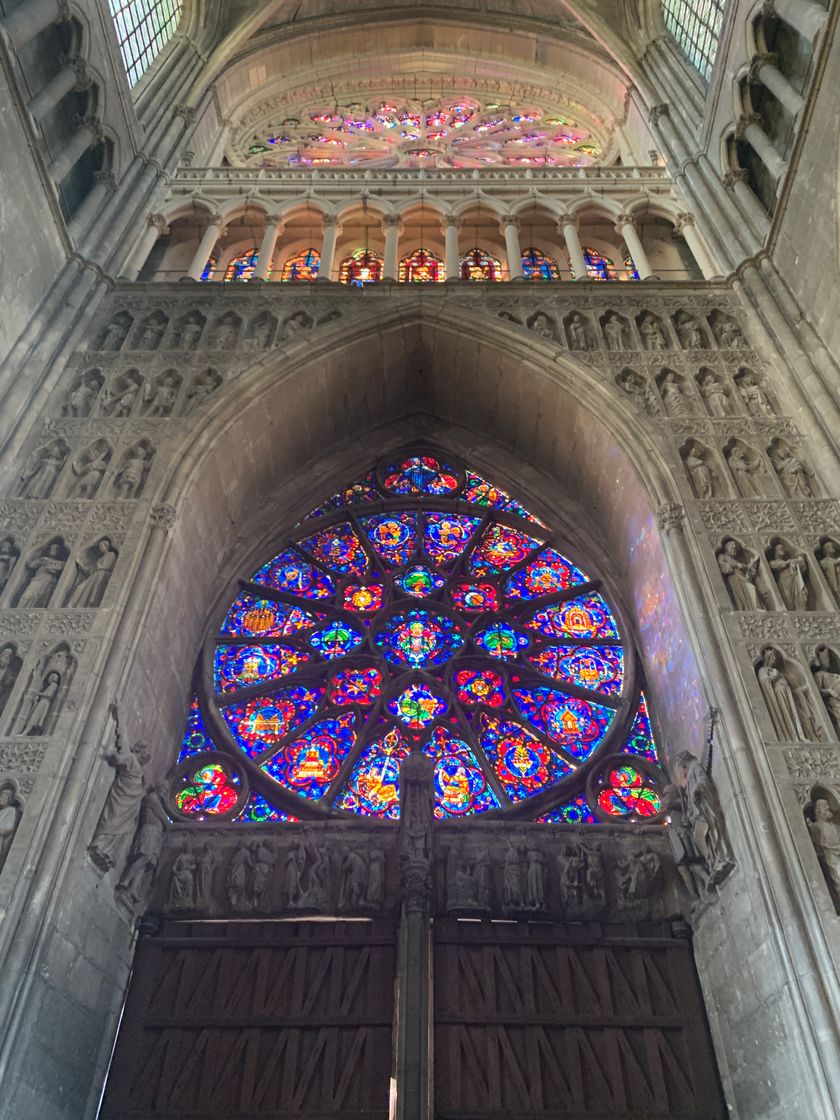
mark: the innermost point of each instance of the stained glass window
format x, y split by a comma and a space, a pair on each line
360, 268
421, 608
242, 266
303, 266
630, 269
695, 26
209, 269
480, 266
537, 265
143, 27
598, 266
422, 267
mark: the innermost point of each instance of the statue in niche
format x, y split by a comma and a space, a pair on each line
293, 874
790, 712
789, 573
827, 679
354, 878
461, 887
204, 384
825, 836
652, 334
81, 396
293, 326
182, 881
145, 847
578, 334
259, 335
614, 334
115, 333
638, 387
714, 393
262, 863
702, 808
740, 577
189, 331
238, 878
151, 333
88, 469
829, 563
44, 468
160, 400
689, 333
9, 556
316, 892
571, 868
696, 461
225, 334
728, 334
542, 326
375, 894
93, 574
680, 833
514, 877
417, 808
674, 396
755, 399
506, 315
131, 476
637, 879
205, 863
793, 473
10, 666
744, 471
43, 704
119, 813
483, 874
10, 814
43, 572
119, 402
535, 880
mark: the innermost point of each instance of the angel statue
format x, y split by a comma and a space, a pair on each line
702, 809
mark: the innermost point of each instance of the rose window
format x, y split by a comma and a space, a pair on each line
420, 609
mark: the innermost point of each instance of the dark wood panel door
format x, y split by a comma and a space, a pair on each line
267, 1019
537, 1021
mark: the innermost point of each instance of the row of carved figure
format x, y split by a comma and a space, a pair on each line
53, 472
789, 699
782, 577
32, 580
127, 394
40, 700
822, 815
672, 394
158, 331
746, 470
644, 331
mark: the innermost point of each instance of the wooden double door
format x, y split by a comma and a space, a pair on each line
530, 1021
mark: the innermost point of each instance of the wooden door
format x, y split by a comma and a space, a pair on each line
262, 1019
537, 1021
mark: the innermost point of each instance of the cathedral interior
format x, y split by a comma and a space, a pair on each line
420, 560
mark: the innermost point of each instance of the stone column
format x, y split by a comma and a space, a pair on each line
73, 76
273, 229
30, 17
155, 228
626, 229
763, 69
392, 226
685, 227
736, 181
104, 184
804, 16
568, 224
205, 247
88, 133
331, 231
510, 228
416, 846
749, 129
452, 250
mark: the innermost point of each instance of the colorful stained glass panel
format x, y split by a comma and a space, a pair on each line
640, 737
576, 725
475, 598
524, 765
243, 666
537, 265
479, 686
258, 811
337, 639
576, 811
483, 493
373, 788
500, 549
360, 492
208, 791
302, 267
546, 574
356, 686
447, 535
363, 598
419, 639
598, 668
585, 617
196, 736
250, 617
418, 706
393, 536
628, 792
307, 765
421, 474
460, 784
338, 548
259, 724
290, 573
500, 640
419, 581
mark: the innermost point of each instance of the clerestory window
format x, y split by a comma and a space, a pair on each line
695, 26
144, 27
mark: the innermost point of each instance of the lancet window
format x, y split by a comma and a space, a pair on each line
420, 608
360, 268
695, 27
480, 266
303, 266
243, 266
422, 267
209, 269
537, 265
143, 27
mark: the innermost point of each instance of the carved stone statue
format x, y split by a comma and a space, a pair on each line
794, 475
205, 860
375, 895
225, 334
789, 713
262, 863
131, 476
825, 836
652, 334
578, 335
740, 577
161, 398
790, 572
119, 812
715, 395
293, 873
43, 572
81, 396
513, 877
829, 563
535, 880
150, 334
690, 864
729, 334
190, 332
118, 401
43, 470
542, 326
10, 666
316, 891
238, 878
638, 387
483, 875
697, 466
755, 399
259, 335
293, 326
10, 815
461, 887
205, 383
614, 335
637, 880
417, 808
88, 469
827, 679
115, 333
145, 848
182, 887
702, 808
43, 705
94, 573
354, 877
690, 335
674, 396
9, 556
744, 471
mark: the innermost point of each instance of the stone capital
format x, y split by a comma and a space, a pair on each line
94, 127
657, 112
106, 178
623, 220
451, 220
758, 61
186, 112
158, 222
567, 220
670, 516
83, 78
744, 122
684, 218
509, 220
736, 175
163, 517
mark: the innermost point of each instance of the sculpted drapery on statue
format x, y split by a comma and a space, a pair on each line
119, 814
417, 810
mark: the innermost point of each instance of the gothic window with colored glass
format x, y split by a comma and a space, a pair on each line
242, 267
695, 27
302, 267
143, 28
420, 608
422, 267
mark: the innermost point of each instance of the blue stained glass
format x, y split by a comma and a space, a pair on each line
373, 788
360, 492
418, 706
576, 725
546, 574
598, 668
480, 492
250, 617
419, 639
309, 763
258, 811
290, 573
500, 549
421, 474
336, 640
446, 536
243, 666
338, 548
501, 641
196, 736
419, 581
260, 723
393, 536
585, 617
640, 737
576, 811
524, 765
460, 785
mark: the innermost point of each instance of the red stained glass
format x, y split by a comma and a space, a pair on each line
393, 536
363, 598
501, 549
480, 686
338, 548
539, 266
421, 474
209, 791
475, 597
290, 573
479, 266
422, 267
356, 686
302, 267
523, 764
309, 763
447, 535
546, 574
628, 792
360, 268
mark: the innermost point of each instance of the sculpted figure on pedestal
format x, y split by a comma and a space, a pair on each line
825, 836
714, 393
535, 879
727, 332
293, 873
653, 337
541, 325
131, 476
80, 397
115, 333
614, 333
638, 387
826, 670
375, 894
702, 810
151, 332
43, 704
296, 323
461, 887
690, 335
262, 863
118, 399
10, 814
578, 334
744, 470
145, 848
696, 459
638, 881
9, 556
41, 475
789, 571
182, 881
829, 563
42, 574
354, 877
794, 474
755, 399
205, 860
94, 572
238, 878
514, 877
740, 574
119, 813
88, 469
204, 384
161, 397
189, 331
680, 833
674, 396
10, 666
787, 705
